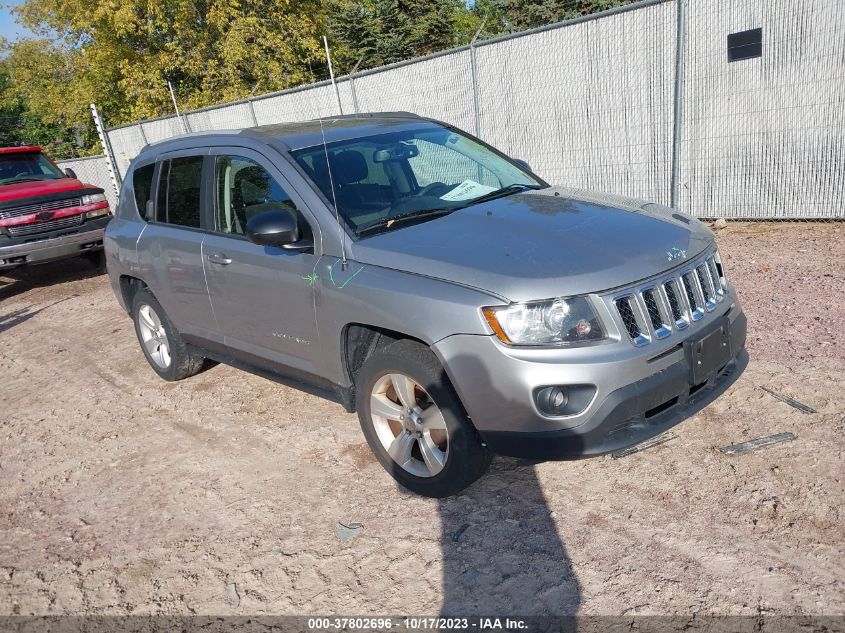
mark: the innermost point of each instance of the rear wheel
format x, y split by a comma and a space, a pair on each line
414, 422
160, 341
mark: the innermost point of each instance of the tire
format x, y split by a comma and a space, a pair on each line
155, 332
97, 259
460, 457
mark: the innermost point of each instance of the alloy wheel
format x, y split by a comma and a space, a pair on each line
153, 336
409, 425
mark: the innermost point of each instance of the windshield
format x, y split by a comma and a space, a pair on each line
386, 181
27, 166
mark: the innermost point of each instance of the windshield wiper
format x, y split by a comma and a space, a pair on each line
441, 211
500, 193
404, 217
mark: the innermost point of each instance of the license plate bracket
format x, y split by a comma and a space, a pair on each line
708, 353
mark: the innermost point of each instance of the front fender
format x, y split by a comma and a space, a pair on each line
418, 306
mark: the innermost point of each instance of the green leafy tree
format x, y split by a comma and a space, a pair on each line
120, 53
519, 15
380, 32
19, 125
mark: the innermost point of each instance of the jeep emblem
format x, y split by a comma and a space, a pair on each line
675, 253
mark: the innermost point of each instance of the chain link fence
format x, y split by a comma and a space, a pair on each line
93, 170
598, 103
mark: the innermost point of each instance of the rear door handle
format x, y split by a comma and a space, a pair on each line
219, 258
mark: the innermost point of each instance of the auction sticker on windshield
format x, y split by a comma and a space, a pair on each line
466, 190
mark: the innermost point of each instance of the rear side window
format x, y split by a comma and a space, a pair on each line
142, 183
179, 187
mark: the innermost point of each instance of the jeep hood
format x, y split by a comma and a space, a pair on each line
541, 244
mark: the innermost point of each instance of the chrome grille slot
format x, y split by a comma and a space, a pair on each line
652, 302
707, 289
36, 208
718, 281
679, 313
38, 227
627, 309
696, 306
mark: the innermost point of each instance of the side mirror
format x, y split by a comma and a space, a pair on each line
522, 164
70, 173
276, 228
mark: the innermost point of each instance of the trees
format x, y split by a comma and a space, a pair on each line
380, 32
120, 54
519, 15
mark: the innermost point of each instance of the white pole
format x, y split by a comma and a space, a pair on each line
331, 74
176, 107
107, 150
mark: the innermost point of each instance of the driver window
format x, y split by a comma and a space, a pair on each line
439, 164
243, 189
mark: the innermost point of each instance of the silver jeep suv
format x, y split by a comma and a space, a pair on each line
460, 304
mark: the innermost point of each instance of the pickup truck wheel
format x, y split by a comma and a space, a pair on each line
414, 422
97, 259
160, 341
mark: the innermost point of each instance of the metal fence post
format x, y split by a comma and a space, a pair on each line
352, 86
107, 149
179, 116
143, 134
677, 116
252, 110
474, 72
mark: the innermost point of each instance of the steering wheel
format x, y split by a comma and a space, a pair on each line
429, 189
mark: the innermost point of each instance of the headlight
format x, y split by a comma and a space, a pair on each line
94, 198
552, 322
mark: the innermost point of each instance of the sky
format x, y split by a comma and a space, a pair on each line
10, 29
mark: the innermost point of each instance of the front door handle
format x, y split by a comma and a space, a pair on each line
219, 258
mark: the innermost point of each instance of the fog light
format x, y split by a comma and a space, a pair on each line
553, 400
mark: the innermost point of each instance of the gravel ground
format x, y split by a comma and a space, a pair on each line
227, 493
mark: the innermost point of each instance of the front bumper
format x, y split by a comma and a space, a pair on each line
639, 393
88, 237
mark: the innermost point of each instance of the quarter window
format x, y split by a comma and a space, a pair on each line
142, 183
244, 189
179, 191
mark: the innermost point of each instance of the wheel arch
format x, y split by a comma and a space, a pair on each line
359, 341
130, 285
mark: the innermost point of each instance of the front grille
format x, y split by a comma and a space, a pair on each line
42, 206
40, 227
656, 310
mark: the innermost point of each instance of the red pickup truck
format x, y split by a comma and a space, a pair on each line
45, 213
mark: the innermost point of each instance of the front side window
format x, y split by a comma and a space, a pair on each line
27, 166
243, 189
179, 191
384, 180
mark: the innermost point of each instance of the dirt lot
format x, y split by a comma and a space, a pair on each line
120, 493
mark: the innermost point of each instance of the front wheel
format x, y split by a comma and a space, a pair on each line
414, 422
